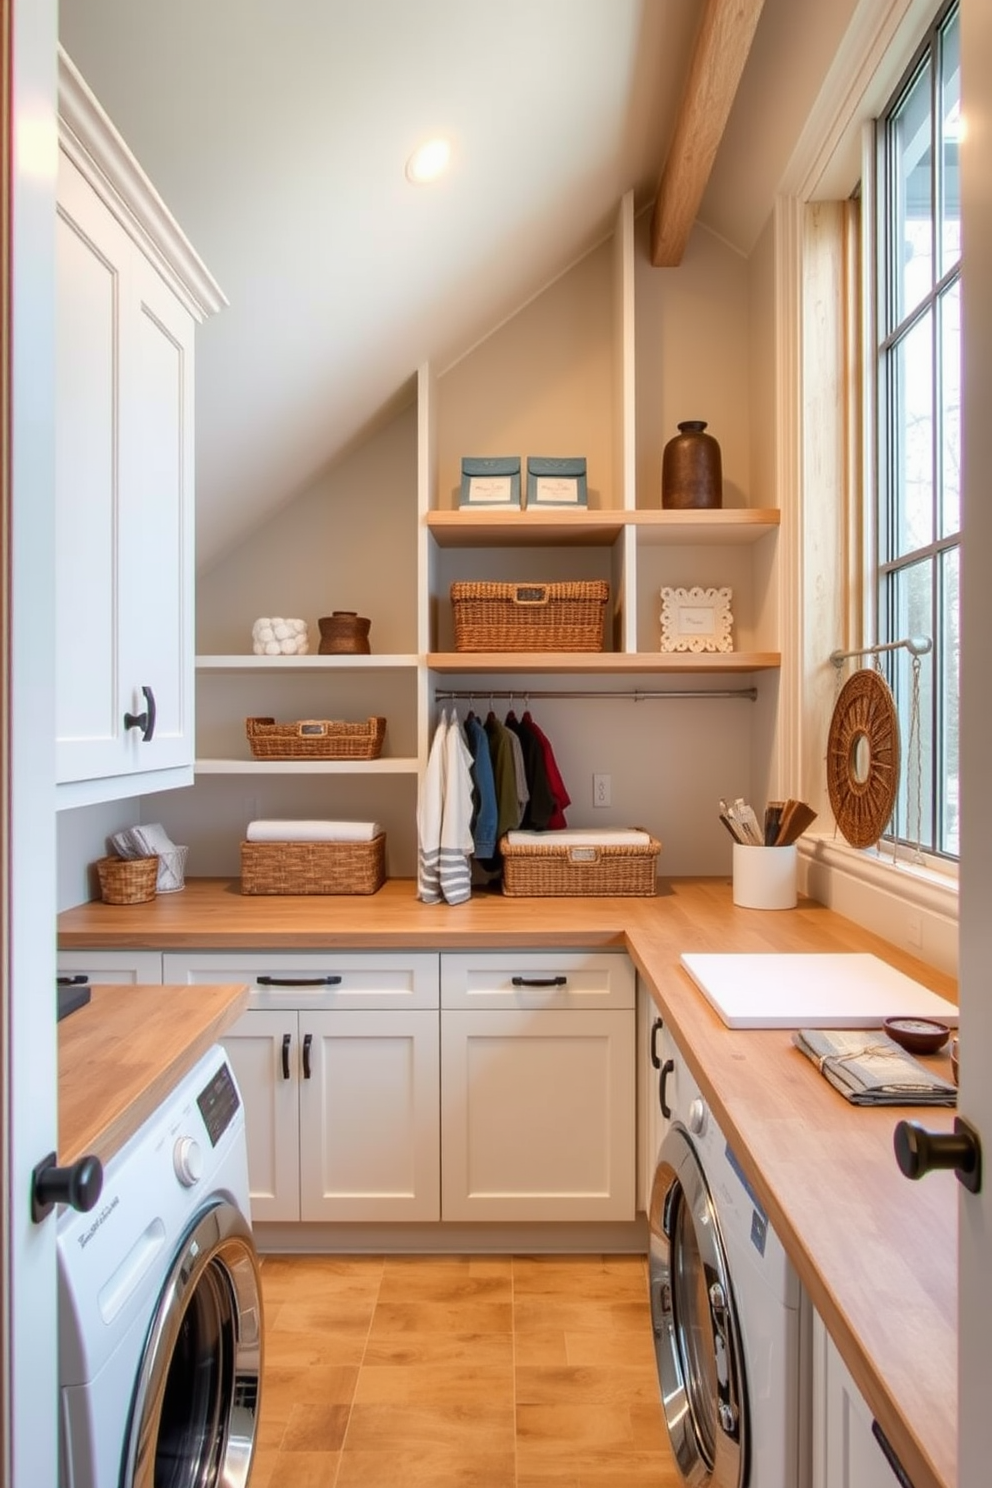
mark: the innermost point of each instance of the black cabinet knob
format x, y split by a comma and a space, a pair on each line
143, 721
919, 1151
79, 1185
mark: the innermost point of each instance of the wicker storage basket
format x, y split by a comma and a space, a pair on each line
315, 738
560, 869
529, 617
127, 880
313, 867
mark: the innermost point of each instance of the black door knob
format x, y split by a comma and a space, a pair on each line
79, 1185
919, 1151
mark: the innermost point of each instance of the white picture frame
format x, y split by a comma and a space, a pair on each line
696, 620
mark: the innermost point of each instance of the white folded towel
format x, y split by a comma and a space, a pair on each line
582, 837
312, 831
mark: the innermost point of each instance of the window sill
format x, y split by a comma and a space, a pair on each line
916, 883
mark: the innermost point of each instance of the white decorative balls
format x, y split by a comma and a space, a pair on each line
278, 637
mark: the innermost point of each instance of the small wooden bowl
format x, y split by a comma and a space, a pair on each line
918, 1035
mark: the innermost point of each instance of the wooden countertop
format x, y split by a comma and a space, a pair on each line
877, 1253
121, 1054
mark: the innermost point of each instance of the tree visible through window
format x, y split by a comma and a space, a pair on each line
918, 494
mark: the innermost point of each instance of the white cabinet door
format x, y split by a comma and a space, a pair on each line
264, 1050
141, 968
369, 1138
537, 1115
846, 1452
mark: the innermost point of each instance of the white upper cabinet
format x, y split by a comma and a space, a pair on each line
129, 294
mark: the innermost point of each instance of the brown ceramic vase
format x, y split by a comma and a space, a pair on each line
691, 469
344, 634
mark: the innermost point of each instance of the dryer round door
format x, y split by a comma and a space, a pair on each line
195, 1408
696, 1334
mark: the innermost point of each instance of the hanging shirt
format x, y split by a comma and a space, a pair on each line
558, 791
506, 784
484, 825
430, 809
454, 872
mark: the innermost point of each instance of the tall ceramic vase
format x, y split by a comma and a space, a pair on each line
691, 469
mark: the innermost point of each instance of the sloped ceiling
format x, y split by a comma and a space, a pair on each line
277, 133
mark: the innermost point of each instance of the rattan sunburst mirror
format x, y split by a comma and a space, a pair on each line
863, 758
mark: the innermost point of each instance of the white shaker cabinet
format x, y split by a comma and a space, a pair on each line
337, 1063
128, 296
537, 1086
847, 1452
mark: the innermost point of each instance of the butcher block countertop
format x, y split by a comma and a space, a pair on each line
121, 1055
876, 1252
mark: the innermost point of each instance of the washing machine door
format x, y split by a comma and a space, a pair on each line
195, 1409
696, 1334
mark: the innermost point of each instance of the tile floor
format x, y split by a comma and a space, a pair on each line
459, 1372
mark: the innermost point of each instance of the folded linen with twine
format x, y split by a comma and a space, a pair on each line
870, 1069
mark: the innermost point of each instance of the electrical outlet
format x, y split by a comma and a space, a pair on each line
601, 790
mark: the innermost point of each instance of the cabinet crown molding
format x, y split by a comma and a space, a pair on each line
93, 144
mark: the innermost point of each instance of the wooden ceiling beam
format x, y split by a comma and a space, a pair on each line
722, 46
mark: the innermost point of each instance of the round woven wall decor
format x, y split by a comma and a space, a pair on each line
863, 757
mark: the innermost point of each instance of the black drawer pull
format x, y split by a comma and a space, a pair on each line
72, 981
285, 1056
656, 1028
666, 1069
555, 981
307, 1042
271, 981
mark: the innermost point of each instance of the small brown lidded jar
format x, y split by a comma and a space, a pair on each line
344, 633
691, 469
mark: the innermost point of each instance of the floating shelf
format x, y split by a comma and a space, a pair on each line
603, 663
309, 663
583, 529
396, 766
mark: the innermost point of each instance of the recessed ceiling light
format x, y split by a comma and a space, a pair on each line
428, 161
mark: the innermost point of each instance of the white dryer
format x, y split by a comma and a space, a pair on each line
160, 1314
732, 1328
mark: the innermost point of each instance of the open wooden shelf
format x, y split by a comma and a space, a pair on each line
603, 663
584, 528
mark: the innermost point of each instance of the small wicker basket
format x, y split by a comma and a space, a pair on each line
561, 870
529, 617
315, 738
313, 867
127, 880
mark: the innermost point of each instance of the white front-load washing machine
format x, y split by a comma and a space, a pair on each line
732, 1327
160, 1314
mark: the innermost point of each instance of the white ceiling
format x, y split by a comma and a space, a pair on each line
277, 132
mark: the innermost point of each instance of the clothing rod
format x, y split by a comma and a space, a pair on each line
478, 694
918, 645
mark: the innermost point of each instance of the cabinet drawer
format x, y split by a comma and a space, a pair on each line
140, 968
316, 979
537, 979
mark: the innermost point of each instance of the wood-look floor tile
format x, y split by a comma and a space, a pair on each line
394, 1318
573, 1427
468, 1265
483, 1428
298, 1470
323, 1384
578, 1315
469, 1350
629, 1347
615, 1384
447, 1285
424, 1467
315, 1428
306, 1350
608, 1469
285, 1277
442, 1385
548, 1346
312, 1314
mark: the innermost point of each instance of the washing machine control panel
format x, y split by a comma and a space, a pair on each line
187, 1159
218, 1103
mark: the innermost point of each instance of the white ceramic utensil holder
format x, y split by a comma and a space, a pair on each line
764, 877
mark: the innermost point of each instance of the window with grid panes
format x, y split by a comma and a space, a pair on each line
918, 433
